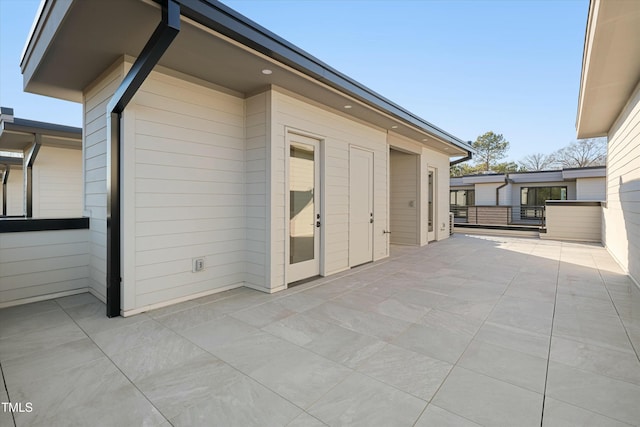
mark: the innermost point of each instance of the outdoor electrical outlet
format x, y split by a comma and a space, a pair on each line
198, 264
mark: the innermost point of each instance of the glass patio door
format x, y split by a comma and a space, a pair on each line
304, 209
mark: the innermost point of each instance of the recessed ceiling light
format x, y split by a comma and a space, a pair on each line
267, 71
446, 148
424, 140
394, 127
348, 106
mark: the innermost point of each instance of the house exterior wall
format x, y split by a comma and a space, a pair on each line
591, 189
336, 133
184, 192
622, 211
94, 148
15, 192
577, 222
43, 264
486, 194
404, 203
257, 184
57, 183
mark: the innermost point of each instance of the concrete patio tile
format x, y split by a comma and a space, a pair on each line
19, 312
397, 309
435, 416
131, 336
20, 345
600, 360
91, 318
479, 310
75, 300
263, 314
455, 322
300, 302
47, 362
40, 320
190, 317
216, 333
609, 397
566, 303
143, 361
367, 323
527, 314
560, 414
362, 401
174, 389
250, 352
601, 330
406, 370
85, 395
514, 339
436, 342
242, 403
174, 308
488, 401
302, 377
306, 420
511, 366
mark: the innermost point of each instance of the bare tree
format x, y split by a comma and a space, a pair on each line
583, 153
537, 162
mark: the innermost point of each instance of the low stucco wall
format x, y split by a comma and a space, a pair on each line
574, 220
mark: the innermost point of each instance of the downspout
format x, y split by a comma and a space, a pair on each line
157, 45
29, 160
5, 178
507, 181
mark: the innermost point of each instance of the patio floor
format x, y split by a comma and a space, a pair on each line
473, 330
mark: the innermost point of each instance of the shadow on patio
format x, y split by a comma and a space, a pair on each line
468, 331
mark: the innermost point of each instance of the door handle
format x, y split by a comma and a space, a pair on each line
318, 224
371, 221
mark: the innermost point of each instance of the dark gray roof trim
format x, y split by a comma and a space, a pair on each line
230, 23
50, 129
16, 161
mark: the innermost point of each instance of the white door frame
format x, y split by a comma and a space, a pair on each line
302, 270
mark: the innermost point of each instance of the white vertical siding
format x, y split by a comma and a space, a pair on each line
40, 263
622, 212
94, 142
15, 191
189, 191
57, 183
591, 188
403, 198
258, 110
337, 134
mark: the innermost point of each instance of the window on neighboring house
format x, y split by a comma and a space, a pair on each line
533, 198
459, 200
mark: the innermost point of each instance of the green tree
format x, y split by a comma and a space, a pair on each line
490, 148
506, 167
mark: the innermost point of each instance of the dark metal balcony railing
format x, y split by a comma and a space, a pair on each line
499, 215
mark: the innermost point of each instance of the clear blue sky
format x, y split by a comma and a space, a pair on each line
510, 66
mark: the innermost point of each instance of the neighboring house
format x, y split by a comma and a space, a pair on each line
527, 191
224, 156
609, 105
41, 168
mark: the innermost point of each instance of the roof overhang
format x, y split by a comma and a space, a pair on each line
19, 134
74, 41
610, 65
